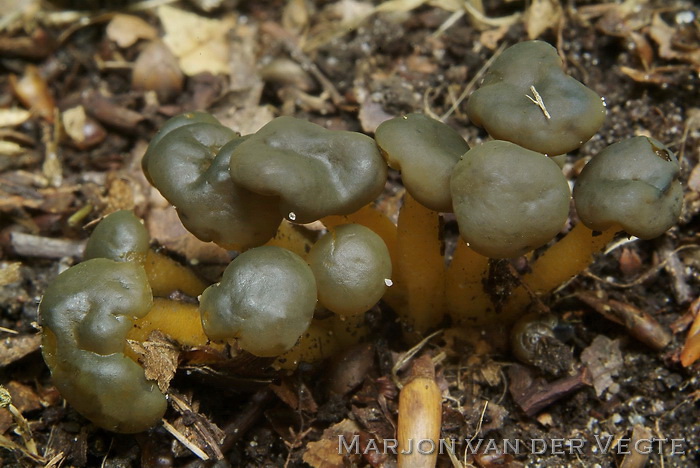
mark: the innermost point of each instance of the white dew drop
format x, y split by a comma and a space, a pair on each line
292, 216
388, 282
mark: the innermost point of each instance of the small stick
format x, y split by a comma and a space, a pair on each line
183, 440
537, 100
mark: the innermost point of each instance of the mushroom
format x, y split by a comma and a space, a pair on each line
315, 172
188, 162
352, 267
634, 184
265, 300
425, 150
526, 98
120, 236
508, 200
86, 314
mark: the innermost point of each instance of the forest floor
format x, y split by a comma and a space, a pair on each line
83, 91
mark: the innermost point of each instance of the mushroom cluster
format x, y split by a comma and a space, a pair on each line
244, 192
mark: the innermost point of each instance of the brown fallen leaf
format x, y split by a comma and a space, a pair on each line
13, 348
10, 273
125, 30
533, 394
541, 16
663, 35
325, 452
603, 360
159, 356
33, 92
156, 69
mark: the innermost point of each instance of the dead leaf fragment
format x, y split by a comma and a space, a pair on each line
541, 16
125, 30
324, 453
14, 348
13, 117
9, 273
205, 49
604, 360
156, 69
10, 148
159, 356
33, 92
82, 129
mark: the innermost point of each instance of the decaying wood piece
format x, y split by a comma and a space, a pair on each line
640, 324
535, 394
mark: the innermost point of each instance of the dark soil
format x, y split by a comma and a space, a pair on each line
645, 61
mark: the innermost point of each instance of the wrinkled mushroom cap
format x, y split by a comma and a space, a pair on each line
86, 314
120, 236
503, 108
315, 172
633, 183
508, 200
265, 299
351, 265
425, 150
189, 166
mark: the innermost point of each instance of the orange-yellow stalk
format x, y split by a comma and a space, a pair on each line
420, 272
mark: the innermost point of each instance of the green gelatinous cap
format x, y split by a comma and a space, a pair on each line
352, 267
527, 98
633, 183
315, 172
170, 125
266, 300
120, 236
189, 165
425, 150
508, 200
86, 314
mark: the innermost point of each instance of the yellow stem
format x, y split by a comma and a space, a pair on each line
420, 273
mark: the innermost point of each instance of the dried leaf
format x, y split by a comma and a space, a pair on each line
82, 129
125, 30
16, 347
646, 76
165, 227
31, 89
13, 117
604, 360
10, 273
324, 453
491, 37
205, 51
159, 357
24, 398
156, 69
663, 35
541, 16
10, 148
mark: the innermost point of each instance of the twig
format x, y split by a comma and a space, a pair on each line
408, 355
472, 83
537, 100
183, 440
30, 245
